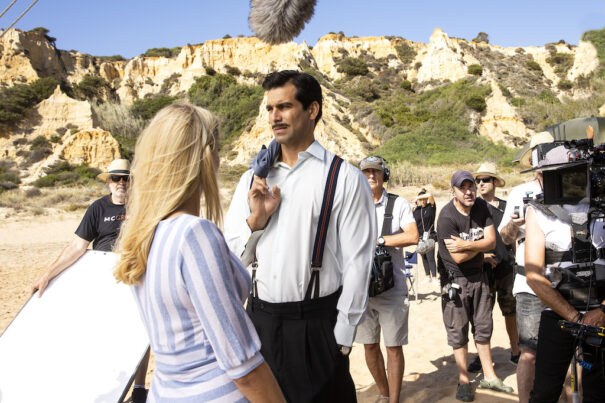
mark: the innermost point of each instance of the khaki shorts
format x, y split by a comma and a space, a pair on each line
389, 313
472, 305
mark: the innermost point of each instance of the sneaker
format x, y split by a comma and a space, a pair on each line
475, 366
425, 281
495, 384
139, 395
382, 399
436, 283
514, 359
465, 393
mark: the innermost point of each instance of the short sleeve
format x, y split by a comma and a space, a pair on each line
405, 213
446, 227
88, 228
210, 273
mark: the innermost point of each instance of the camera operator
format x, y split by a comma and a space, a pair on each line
549, 248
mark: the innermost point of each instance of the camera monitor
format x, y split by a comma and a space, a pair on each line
566, 183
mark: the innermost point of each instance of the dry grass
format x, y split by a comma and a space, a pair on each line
50, 200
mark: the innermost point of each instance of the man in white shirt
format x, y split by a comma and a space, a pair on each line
272, 224
388, 311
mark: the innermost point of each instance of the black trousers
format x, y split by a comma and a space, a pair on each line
555, 350
298, 344
428, 262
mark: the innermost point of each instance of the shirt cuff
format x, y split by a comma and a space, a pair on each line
344, 333
246, 367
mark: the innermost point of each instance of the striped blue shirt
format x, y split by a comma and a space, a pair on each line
191, 300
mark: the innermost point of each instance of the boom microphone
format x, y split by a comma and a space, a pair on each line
279, 21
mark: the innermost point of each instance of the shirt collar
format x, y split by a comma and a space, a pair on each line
315, 150
382, 198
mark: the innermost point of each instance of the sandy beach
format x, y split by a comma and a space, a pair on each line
29, 244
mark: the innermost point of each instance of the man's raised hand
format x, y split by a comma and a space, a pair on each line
263, 203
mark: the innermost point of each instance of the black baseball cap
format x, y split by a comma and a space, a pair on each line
460, 176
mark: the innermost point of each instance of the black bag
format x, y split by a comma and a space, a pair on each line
382, 278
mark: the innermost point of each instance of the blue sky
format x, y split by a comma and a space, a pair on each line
129, 27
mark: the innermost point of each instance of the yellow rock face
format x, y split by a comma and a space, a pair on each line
95, 147
57, 111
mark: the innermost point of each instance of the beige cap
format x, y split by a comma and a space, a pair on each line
536, 139
117, 167
489, 169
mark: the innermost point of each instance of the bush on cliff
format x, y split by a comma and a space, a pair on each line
235, 104
353, 67
16, 100
162, 52
146, 108
65, 174
91, 88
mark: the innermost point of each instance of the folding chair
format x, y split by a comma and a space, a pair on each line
411, 262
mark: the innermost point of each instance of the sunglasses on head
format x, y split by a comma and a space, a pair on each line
116, 178
484, 180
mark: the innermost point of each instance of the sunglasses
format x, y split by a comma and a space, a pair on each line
116, 178
484, 180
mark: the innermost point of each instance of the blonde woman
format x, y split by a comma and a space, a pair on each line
189, 287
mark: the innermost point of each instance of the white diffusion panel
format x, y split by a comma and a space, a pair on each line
80, 342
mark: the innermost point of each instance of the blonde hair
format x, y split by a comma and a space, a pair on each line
173, 161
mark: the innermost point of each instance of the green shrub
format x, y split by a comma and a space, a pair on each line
475, 69
43, 32
55, 139
481, 37
20, 141
114, 58
39, 142
476, 102
38, 155
234, 71
533, 65
564, 85
363, 88
235, 104
352, 67
597, 38
210, 71
517, 102
16, 100
162, 52
65, 174
92, 88
561, 62
548, 96
146, 108
406, 85
406, 53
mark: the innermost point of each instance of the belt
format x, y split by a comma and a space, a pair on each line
316, 308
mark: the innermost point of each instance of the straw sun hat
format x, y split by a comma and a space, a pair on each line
117, 167
536, 139
489, 169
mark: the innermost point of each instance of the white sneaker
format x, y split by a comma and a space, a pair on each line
436, 282
425, 281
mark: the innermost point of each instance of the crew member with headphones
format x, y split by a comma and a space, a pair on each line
388, 310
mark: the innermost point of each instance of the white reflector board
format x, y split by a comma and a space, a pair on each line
80, 342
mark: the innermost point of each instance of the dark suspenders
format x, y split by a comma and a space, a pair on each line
322, 227
320, 236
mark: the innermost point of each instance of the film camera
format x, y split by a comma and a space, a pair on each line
573, 172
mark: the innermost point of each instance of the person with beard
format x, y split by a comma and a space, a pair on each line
465, 230
499, 262
100, 225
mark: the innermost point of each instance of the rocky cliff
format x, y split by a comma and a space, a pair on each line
27, 56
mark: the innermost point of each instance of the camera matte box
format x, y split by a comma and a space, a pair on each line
82, 341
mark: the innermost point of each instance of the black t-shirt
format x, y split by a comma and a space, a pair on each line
101, 223
468, 227
503, 252
425, 215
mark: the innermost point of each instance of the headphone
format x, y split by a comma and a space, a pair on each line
386, 173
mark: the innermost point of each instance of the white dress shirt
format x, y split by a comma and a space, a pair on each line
283, 249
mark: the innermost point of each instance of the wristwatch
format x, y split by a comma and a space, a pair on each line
344, 350
381, 241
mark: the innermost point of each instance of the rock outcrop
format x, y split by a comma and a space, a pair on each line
501, 123
58, 111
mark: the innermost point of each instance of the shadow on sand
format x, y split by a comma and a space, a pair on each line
440, 384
